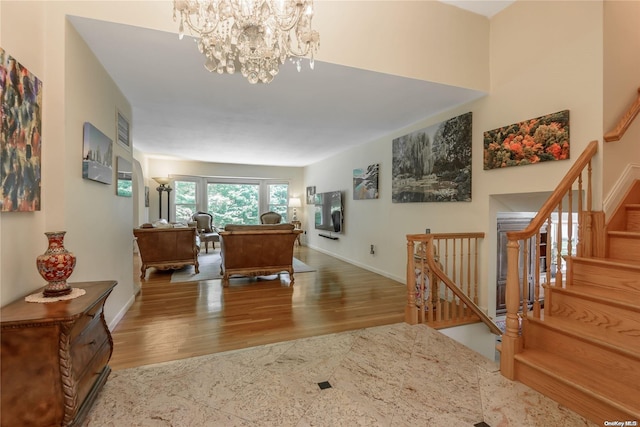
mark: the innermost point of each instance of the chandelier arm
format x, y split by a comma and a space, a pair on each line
199, 31
294, 22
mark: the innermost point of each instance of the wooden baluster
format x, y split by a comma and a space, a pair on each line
475, 276
570, 225
589, 225
536, 277
411, 311
454, 311
470, 288
580, 246
526, 243
559, 248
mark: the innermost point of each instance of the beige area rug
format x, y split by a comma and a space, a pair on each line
210, 269
396, 375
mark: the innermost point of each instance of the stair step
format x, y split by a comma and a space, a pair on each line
617, 275
549, 336
624, 245
597, 395
613, 322
596, 336
633, 217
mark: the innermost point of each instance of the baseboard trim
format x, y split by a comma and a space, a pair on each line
118, 317
402, 280
629, 175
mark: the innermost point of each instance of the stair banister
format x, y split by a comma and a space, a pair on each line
511, 339
437, 275
624, 123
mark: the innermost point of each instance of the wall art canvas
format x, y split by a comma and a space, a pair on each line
365, 183
20, 136
124, 175
533, 141
434, 164
311, 193
97, 156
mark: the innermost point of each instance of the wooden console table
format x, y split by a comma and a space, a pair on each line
54, 358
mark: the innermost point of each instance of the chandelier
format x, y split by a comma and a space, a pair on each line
253, 35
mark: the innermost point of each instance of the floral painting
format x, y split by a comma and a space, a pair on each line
434, 164
20, 136
365, 183
533, 141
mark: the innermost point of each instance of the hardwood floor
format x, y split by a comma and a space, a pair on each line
170, 321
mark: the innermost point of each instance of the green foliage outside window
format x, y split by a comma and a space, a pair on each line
185, 199
278, 199
233, 203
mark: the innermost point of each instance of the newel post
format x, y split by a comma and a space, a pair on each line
511, 339
410, 310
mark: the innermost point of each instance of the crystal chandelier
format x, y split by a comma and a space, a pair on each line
254, 35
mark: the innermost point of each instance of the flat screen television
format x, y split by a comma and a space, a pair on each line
329, 211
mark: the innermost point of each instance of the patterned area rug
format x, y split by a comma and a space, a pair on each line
210, 269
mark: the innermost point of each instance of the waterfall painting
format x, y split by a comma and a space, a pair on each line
434, 164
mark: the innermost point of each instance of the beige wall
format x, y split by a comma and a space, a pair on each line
621, 83
533, 73
98, 223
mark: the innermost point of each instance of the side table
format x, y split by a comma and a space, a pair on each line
54, 358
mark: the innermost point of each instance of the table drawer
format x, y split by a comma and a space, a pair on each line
93, 370
91, 314
84, 348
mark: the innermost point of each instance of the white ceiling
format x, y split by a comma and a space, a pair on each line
181, 110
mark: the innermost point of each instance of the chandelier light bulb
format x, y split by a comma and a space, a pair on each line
254, 36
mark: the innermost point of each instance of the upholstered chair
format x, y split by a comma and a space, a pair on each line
270, 218
206, 230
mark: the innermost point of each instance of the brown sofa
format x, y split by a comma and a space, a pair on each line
165, 248
257, 250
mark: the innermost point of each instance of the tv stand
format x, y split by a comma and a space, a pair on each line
328, 236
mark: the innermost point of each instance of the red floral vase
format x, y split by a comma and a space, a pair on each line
55, 265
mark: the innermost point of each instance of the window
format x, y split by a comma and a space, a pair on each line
185, 200
229, 200
278, 199
231, 203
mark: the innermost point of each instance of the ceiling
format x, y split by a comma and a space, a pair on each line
182, 111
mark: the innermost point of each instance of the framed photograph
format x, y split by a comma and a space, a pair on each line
124, 185
123, 131
97, 155
533, 141
20, 136
365, 183
311, 192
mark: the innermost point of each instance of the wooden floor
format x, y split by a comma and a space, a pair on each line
171, 321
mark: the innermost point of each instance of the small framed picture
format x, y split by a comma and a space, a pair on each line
123, 131
311, 192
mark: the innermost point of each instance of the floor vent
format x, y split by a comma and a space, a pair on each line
324, 384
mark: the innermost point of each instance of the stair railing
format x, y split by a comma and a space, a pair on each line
568, 197
625, 121
442, 280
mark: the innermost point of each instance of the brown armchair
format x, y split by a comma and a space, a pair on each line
270, 218
206, 230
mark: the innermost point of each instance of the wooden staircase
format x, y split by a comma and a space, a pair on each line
583, 350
